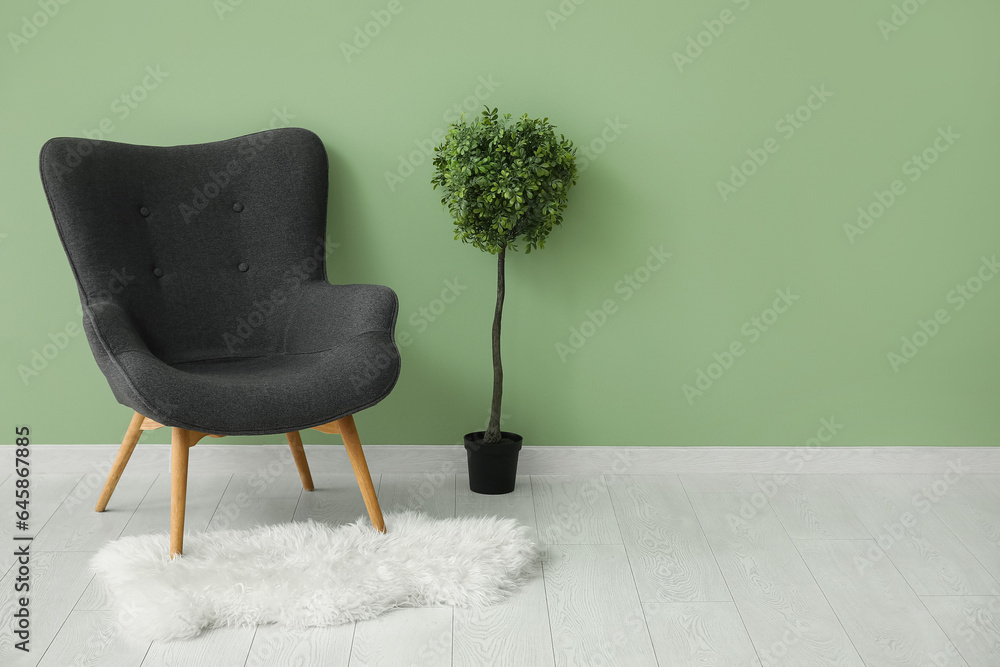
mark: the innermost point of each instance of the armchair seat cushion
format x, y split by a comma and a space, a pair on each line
337, 357
263, 395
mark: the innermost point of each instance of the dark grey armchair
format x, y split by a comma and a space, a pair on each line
202, 274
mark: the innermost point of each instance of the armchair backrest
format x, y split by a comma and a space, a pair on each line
198, 244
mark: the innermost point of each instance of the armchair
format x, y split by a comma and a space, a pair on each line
202, 274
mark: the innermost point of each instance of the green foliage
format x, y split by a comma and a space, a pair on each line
503, 179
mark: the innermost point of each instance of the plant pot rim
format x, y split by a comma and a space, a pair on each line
508, 440
478, 435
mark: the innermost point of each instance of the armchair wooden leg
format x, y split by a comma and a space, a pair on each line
353, 444
178, 488
299, 454
181, 440
118, 467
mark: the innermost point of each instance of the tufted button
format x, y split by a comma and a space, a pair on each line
244, 266
237, 207
144, 212
158, 272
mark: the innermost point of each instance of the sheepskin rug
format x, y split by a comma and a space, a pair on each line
312, 574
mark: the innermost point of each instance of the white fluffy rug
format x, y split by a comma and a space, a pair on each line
309, 574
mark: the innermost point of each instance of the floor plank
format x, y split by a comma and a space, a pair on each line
514, 632
47, 491
882, 615
915, 539
75, 526
719, 483
277, 479
990, 483
518, 628
786, 614
96, 597
810, 507
667, 549
594, 610
204, 493
336, 501
574, 509
420, 637
312, 646
250, 512
94, 638
972, 622
699, 634
518, 504
421, 492
219, 647
57, 579
970, 511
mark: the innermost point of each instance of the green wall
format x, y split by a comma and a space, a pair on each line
663, 133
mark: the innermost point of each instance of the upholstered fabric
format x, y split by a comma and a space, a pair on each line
202, 274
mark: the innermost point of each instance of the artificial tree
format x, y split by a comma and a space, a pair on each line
503, 181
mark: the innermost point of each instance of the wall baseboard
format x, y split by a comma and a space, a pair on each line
534, 460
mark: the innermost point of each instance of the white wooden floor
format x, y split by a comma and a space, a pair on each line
733, 570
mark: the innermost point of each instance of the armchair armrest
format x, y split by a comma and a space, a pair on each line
108, 325
326, 315
112, 336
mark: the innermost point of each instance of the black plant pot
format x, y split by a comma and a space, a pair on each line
493, 467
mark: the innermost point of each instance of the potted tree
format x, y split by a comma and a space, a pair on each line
503, 181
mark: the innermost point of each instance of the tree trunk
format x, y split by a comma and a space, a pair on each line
493, 430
